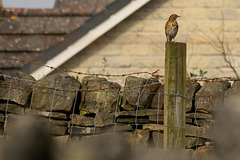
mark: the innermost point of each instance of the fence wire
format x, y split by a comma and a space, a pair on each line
138, 121
154, 74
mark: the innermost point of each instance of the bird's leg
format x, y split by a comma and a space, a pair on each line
174, 41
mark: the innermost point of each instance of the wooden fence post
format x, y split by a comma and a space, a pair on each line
174, 95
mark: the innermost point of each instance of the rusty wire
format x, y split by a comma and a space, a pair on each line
152, 85
83, 90
154, 74
108, 89
116, 88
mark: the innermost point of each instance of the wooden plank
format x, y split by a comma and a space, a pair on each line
174, 95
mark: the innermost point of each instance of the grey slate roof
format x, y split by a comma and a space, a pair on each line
29, 34
76, 34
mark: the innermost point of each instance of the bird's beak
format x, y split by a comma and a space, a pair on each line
178, 16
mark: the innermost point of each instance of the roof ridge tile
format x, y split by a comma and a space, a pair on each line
50, 12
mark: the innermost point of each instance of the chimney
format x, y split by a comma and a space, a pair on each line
1, 6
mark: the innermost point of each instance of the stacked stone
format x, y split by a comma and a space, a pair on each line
206, 102
14, 98
106, 108
98, 107
50, 99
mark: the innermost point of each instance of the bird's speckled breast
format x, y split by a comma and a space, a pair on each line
172, 31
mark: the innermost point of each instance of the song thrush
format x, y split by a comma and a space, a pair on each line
171, 27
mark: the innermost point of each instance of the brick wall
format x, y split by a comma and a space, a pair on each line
137, 43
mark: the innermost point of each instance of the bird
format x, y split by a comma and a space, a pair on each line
171, 27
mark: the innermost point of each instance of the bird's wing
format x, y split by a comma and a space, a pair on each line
166, 27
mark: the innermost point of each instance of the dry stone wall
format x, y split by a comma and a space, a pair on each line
96, 106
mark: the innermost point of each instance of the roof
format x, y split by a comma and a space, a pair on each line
63, 32
27, 33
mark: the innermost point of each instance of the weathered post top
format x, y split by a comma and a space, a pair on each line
174, 95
